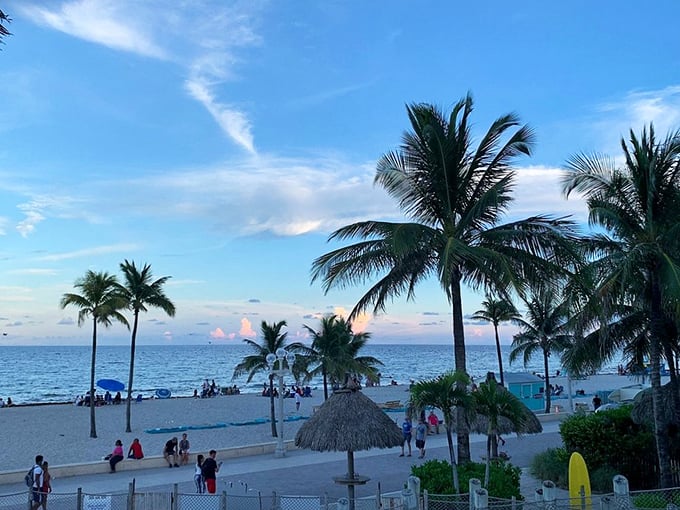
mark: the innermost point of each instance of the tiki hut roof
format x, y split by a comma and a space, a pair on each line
643, 411
348, 421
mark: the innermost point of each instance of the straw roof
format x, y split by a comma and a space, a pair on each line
348, 421
643, 411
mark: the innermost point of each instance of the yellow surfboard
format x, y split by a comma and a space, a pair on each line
579, 482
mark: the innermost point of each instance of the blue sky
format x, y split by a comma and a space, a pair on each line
222, 142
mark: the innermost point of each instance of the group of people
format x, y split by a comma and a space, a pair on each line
407, 433
134, 452
176, 452
99, 400
291, 392
41, 484
9, 402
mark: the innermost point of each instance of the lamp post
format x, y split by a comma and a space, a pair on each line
279, 364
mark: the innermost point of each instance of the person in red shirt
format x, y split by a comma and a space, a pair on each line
433, 422
135, 451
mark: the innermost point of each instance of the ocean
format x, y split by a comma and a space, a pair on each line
41, 374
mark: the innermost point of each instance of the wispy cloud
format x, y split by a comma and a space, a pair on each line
34, 271
110, 23
98, 250
157, 29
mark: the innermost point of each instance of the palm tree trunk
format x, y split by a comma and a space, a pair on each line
460, 365
272, 411
325, 382
546, 391
661, 436
672, 372
500, 356
490, 437
93, 423
452, 457
133, 341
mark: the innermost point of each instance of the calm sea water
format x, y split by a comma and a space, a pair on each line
57, 374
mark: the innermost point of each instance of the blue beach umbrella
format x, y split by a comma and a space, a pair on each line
110, 385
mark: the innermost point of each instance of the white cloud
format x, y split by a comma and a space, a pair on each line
89, 252
200, 36
114, 24
635, 111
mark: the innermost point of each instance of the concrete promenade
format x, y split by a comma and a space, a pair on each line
303, 472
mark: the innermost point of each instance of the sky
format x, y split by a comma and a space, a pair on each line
222, 142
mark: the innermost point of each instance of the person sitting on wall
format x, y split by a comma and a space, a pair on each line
433, 423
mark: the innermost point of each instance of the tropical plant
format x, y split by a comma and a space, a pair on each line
495, 402
545, 330
448, 392
273, 339
100, 300
636, 204
496, 311
141, 293
335, 352
455, 196
3, 29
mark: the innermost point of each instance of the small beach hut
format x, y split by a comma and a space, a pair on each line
527, 387
348, 421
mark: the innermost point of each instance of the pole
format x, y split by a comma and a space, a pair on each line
280, 448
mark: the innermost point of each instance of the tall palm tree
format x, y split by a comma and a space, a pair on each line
335, 351
545, 330
100, 300
448, 393
455, 196
495, 402
272, 339
637, 204
496, 311
141, 293
3, 29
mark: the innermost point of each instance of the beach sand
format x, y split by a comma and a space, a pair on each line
60, 432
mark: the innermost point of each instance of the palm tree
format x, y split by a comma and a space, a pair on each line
100, 299
496, 311
637, 204
3, 30
455, 196
335, 350
141, 292
448, 393
546, 329
495, 402
272, 340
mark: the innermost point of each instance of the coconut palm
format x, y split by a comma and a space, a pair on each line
455, 196
448, 393
496, 311
3, 29
141, 293
545, 330
495, 402
100, 299
637, 203
335, 351
273, 339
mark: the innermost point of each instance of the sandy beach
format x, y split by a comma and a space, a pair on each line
61, 432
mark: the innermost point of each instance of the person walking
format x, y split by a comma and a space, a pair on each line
406, 428
36, 487
209, 470
184, 450
116, 455
198, 475
46, 484
421, 434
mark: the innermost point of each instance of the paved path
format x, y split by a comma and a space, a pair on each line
303, 472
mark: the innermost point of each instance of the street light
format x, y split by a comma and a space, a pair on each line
279, 364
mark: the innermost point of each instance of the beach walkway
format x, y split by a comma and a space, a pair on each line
303, 472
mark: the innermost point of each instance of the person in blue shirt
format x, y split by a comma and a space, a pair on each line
406, 428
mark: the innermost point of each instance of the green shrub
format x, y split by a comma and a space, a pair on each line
650, 501
436, 477
601, 479
553, 465
612, 439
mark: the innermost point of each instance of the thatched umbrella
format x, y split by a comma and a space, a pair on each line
643, 410
348, 421
532, 425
